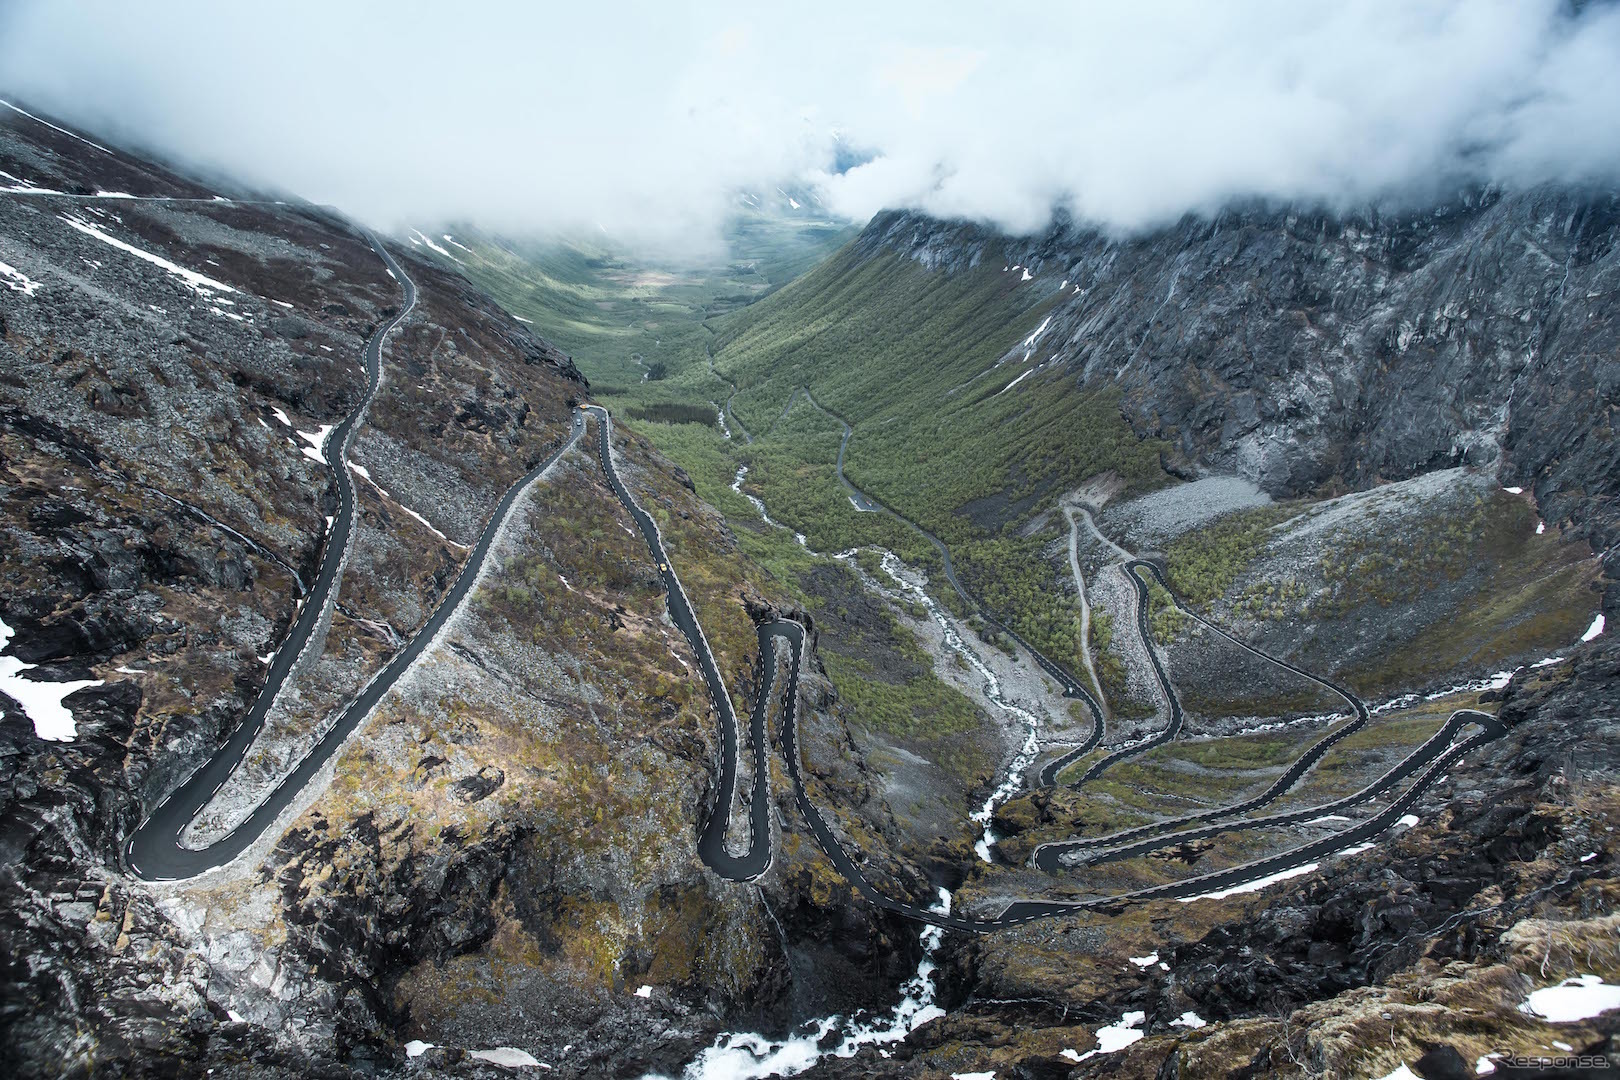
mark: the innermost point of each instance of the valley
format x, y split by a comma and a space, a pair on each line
851, 651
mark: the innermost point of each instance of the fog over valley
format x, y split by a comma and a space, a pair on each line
645, 120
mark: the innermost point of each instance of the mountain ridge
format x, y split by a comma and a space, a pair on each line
1371, 348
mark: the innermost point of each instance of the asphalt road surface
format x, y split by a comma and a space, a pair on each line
155, 851
1420, 767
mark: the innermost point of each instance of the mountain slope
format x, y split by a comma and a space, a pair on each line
1305, 351
514, 825
1380, 379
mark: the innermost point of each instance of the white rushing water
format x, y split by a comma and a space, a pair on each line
736, 485
993, 691
752, 1056
745, 1055
910, 585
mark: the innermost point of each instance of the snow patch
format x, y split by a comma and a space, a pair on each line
203, 284
1035, 335
1189, 1020
1595, 630
361, 470
41, 701
508, 1057
1580, 998
1117, 1036
1408, 820
425, 522
19, 186
1146, 961
316, 450
1252, 886
416, 1048
17, 281
644, 991
434, 247
1015, 382
53, 127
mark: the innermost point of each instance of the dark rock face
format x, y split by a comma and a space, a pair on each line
1308, 351
480, 785
1363, 922
159, 523
161, 519
1370, 938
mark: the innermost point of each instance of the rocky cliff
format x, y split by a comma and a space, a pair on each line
505, 852
504, 856
1311, 352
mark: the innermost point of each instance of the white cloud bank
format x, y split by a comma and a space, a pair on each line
644, 119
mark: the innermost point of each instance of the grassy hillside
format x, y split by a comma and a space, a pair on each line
635, 325
642, 332
919, 361
909, 357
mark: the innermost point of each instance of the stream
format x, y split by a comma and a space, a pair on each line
1025, 757
746, 1055
908, 582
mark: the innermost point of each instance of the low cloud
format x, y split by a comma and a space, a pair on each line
646, 120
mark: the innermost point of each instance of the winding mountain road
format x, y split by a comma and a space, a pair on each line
1071, 686
1423, 767
712, 837
1282, 784
1085, 602
155, 850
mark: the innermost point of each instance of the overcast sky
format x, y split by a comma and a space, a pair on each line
647, 118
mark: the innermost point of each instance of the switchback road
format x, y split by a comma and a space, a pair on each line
155, 850
1421, 769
